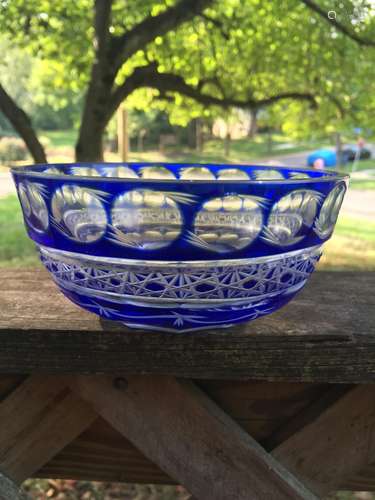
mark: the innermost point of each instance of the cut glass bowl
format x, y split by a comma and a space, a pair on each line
179, 246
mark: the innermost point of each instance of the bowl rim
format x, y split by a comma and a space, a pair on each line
32, 170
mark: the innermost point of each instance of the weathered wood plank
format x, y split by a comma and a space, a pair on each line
336, 445
309, 413
260, 408
36, 421
255, 400
9, 383
188, 436
101, 453
41, 331
363, 480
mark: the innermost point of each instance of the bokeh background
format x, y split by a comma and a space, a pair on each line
231, 81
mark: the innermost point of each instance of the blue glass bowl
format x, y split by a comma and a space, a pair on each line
179, 246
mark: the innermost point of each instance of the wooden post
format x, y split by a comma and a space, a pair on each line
335, 445
122, 133
269, 141
37, 421
338, 149
253, 125
227, 143
178, 427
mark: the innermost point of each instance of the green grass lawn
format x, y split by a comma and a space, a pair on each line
214, 149
241, 150
61, 149
364, 175
348, 227
361, 165
60, 138
362, 184
352, 246
16, 249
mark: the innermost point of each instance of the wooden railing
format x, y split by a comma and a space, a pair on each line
283, 407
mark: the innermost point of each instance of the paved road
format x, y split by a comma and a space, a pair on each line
299, 159
290, 159
6, 185
359, 204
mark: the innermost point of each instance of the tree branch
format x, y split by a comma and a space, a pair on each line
338, 105
147, 76
22, 124
339, 26
147, 30
218, 25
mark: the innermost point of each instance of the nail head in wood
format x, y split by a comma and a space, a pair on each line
120, 383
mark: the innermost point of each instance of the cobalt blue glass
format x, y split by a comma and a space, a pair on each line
179, 247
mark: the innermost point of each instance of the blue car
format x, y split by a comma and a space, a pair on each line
328, 156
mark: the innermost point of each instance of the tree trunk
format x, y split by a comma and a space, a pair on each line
253, 125
90, 141
192, 134
90, 144
140, 140
95, 117
269, 142
22, 125
199, 135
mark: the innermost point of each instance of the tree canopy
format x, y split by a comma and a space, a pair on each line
194, 57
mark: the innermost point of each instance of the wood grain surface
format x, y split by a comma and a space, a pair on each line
192, 439
260, 408
272, 413
326, 334
313, 351
339, 442
38, 420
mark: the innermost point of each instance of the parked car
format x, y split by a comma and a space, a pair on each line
349, 153
327, 155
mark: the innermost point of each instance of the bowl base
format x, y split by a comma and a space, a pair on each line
139, 326
181, 318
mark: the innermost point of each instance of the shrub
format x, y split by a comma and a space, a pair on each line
12, 149
45, 141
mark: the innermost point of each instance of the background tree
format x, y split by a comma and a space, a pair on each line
193, 57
